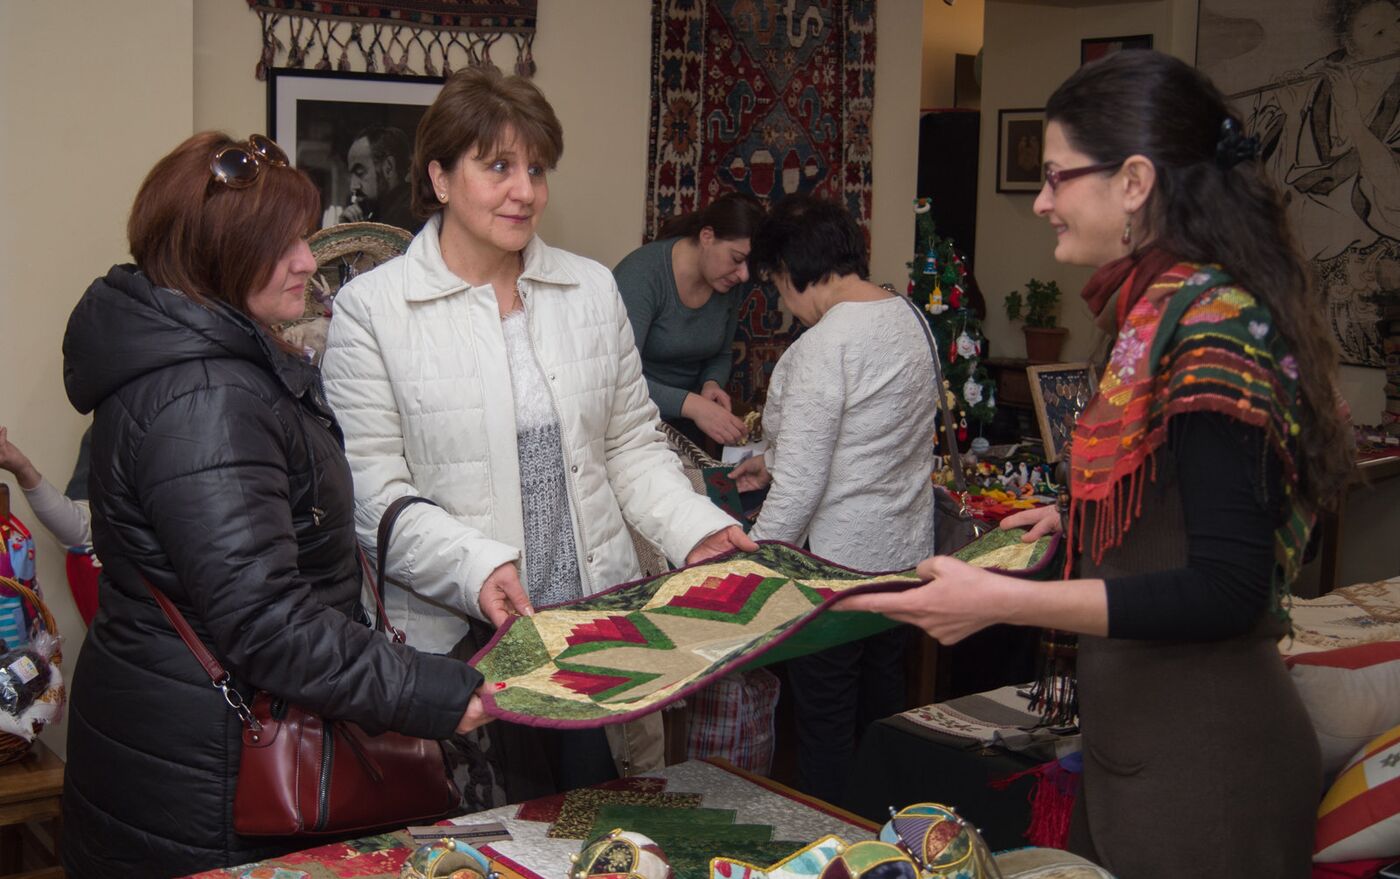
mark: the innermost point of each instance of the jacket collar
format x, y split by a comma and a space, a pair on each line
430, 278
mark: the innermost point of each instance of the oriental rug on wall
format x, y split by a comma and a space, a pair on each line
766, 98
398, 37
633, 649
1319, 83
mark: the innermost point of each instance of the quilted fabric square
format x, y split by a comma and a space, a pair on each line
623, 653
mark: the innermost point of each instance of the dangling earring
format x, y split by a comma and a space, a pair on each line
1127, 231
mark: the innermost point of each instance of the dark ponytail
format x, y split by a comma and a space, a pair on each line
1212, 204
733, 215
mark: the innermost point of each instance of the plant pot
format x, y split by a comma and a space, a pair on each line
1043, 344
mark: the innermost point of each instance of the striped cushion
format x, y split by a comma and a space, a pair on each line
1352, 695
1360, 816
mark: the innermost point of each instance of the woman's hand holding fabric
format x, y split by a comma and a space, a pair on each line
718, 423
1040, 521
957, 600
715, 394
719, 543
751, 474
474, 716
502, 596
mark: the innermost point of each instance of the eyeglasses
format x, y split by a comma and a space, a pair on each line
238, 164
1056, 177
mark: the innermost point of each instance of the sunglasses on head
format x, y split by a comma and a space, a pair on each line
238, 164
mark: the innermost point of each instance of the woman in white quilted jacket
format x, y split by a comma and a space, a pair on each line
498, 377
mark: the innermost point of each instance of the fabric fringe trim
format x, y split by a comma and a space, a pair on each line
377, 47
1052, 802
1055, 693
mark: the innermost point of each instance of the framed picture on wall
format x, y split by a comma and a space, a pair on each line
1101, 47
1020, 140
352, 133
1059, 392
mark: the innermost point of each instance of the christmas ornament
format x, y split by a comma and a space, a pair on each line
972, 392
967, 346
447, 859
620, 854
942, 844
871, 859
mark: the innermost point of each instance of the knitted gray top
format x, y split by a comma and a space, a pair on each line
551, 572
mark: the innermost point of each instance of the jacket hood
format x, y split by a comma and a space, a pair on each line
125, 327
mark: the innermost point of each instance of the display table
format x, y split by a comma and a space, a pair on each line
532, 854
30, 789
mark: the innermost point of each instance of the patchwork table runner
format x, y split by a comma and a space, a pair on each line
622, 653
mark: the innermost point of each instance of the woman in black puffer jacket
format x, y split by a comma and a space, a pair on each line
217, 472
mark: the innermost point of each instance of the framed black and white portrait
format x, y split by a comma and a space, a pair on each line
352, 133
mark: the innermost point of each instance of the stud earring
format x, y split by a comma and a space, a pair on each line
442, 197
1127, 231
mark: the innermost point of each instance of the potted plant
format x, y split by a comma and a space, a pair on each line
1038, 309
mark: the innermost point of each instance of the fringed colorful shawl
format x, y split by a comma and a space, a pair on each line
1194, 342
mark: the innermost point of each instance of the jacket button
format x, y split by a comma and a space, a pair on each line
573, 469
589, 560
551, 376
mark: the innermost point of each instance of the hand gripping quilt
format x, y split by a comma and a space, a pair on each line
620, 654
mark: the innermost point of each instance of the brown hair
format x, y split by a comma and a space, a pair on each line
733, 216
191, 233
473, 110
1206, 210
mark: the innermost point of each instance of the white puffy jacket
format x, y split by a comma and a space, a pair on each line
416, 369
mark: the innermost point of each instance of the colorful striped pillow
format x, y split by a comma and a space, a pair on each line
1352, 695
1360, 816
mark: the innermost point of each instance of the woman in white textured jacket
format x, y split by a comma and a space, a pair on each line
498, 377
850, 422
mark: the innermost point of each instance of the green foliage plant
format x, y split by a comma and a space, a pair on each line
1039, 308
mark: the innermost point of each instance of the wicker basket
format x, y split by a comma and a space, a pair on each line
13, 747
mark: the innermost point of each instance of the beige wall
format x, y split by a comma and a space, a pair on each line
948, 31
82, 117
92, 92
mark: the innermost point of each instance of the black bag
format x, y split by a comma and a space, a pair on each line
954, 525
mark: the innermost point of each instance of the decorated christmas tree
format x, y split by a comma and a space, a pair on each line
936, 284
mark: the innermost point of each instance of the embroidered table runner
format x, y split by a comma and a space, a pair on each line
623, 653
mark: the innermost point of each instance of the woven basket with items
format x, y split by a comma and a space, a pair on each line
31, 685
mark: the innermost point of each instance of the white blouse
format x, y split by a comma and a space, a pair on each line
850, 424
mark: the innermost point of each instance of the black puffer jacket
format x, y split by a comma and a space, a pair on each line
213, 457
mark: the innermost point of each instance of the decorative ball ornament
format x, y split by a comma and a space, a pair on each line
620, 854
447, 859
922, 205
941, 843
871, 859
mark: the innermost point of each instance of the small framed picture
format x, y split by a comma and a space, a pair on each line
1020, 141
352, 133
1060, 391
1101, 47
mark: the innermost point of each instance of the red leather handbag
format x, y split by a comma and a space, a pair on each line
302, 774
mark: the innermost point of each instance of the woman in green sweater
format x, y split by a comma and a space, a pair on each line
677, 294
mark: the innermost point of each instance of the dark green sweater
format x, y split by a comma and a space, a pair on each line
681, 347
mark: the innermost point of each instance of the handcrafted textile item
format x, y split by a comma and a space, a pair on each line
580, 810
548, 808
1000, 717
723, 492
399, 37
940, 842
766, 100
447, 859
620, 654
805, 863
621, 854
1360, 816
16, 563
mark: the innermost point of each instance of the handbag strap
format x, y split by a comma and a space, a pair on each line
218, 675
949, 429
381, 542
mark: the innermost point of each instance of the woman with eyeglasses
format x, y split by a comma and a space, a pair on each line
1194, 476
498, 376
217, 474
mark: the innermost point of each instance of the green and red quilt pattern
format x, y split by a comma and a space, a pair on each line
617, 655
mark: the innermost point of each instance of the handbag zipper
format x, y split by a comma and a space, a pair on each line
324, 792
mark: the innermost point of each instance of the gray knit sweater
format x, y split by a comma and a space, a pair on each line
550, 556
